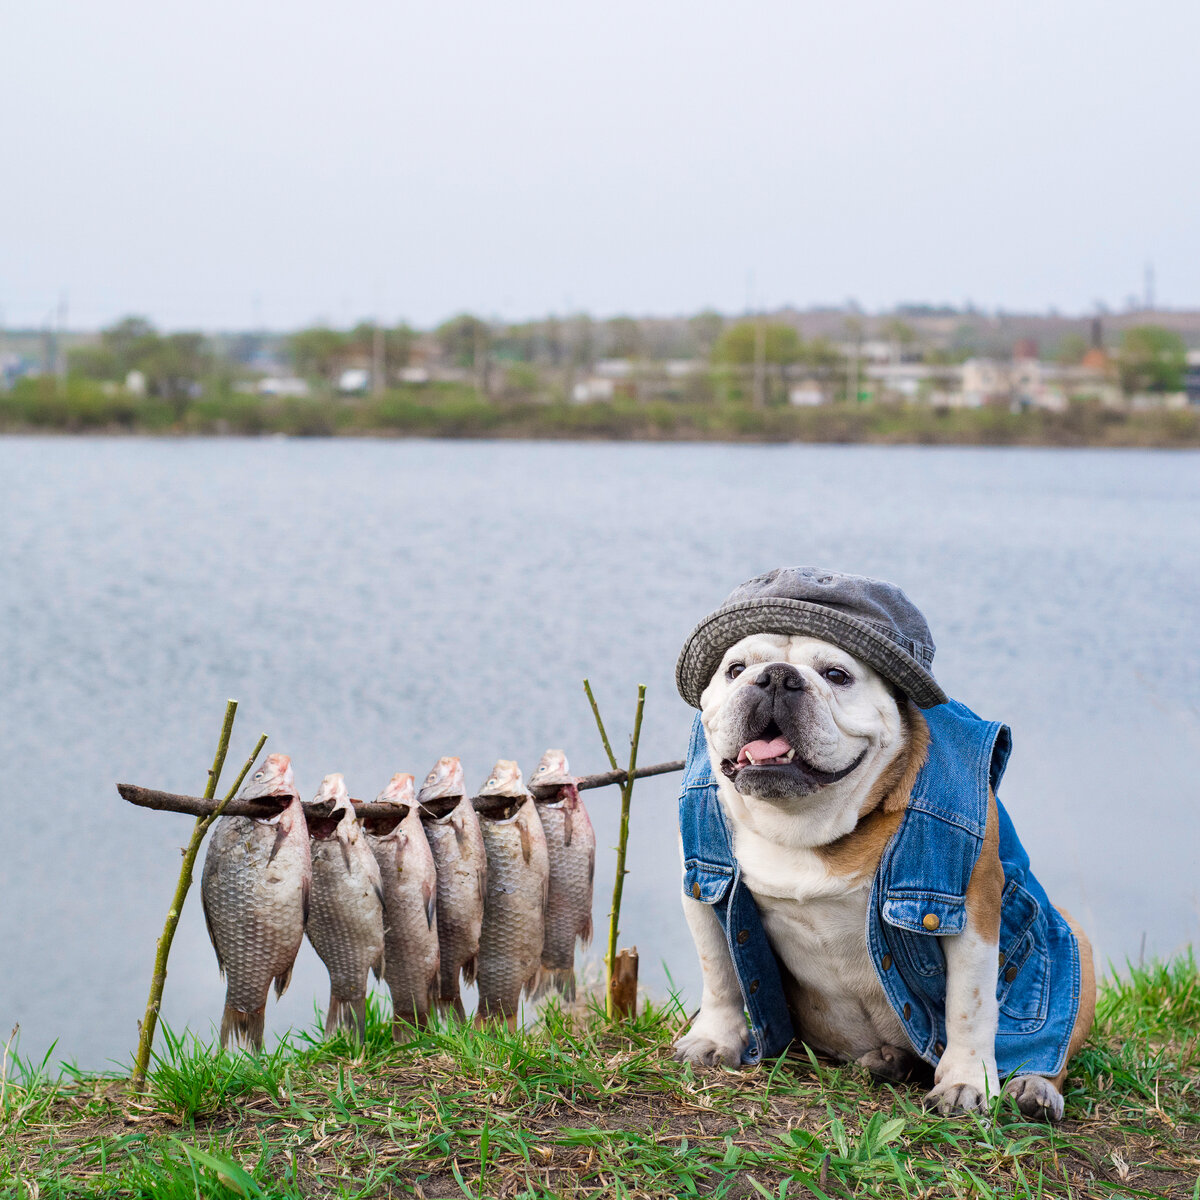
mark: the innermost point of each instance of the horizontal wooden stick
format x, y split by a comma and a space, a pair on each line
199, 806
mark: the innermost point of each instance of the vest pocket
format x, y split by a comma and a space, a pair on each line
705, 882
1023, 975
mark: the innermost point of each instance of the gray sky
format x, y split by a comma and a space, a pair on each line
228, 164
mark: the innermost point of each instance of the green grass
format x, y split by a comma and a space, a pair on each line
456, 410
578, 1108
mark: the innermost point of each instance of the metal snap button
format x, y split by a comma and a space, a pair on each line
743, 937
939, 1049
930, 921
886, 962
753, 986
907, 1011
696, 890
1010, 974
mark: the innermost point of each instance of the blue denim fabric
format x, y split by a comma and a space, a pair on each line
924, 869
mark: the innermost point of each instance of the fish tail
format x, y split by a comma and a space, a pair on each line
452, 1004
246, 1028
556, 979
468, 969
350, 1015
281, 982
585, 932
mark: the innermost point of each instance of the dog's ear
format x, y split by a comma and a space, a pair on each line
914, 758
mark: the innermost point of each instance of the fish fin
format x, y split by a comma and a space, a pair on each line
526, 841
468, 969
281, 836
306, 897
380, 964
350, 1015
379, 893
459, 827
585, 932
245, 1027
556, 979
430, 890
345, 846
282, 980
455, 1006
533, 985
212, 937
592, 866
567, 826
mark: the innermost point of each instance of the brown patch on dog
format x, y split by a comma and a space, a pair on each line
857, 854
1087, 996
987, 880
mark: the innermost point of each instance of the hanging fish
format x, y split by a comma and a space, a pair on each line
571, 845
345, 924
514, 920
406, 867
255, 894
456, 841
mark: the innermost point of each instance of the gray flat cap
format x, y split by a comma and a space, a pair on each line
873, 620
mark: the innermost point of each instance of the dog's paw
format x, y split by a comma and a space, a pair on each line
892, 1064
1036, 1097
713, 1042
949, 1098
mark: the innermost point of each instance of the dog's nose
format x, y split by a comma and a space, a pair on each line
780, 676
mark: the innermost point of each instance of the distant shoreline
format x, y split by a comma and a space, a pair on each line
437, 413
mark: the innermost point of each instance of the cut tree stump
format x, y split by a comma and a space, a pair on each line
623, 989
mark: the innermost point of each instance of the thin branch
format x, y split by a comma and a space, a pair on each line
612, 758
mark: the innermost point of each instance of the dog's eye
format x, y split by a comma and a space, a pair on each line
735, 669
837, 676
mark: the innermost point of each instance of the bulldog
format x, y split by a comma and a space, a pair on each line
813, 752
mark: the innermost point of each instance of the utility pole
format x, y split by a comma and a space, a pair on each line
481, 360
378, 360
760, 362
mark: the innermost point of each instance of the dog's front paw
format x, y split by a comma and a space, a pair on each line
962, 1085
1036, 1097
714, 1042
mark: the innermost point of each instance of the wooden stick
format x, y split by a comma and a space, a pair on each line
201, 806
622, 991
163, 948
614, 916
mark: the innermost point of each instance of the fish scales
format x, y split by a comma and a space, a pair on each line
345, 923
412, 966
510, 946
255, 891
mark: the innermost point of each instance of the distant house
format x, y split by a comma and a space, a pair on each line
282, 385
594, 387
354, 381
807, 394
1191, 377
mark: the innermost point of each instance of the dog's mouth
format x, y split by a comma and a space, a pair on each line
772, 751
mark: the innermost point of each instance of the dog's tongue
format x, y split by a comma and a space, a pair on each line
761, 750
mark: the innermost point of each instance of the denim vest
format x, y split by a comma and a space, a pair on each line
924, 870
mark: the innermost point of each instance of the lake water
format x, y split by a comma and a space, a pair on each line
376, 604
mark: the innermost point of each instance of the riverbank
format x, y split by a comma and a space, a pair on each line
578, 1108
456, 411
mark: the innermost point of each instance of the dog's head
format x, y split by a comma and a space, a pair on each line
802, 734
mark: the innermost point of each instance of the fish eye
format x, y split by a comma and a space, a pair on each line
735, 669
491, 782
837, 676
259, 775
542, 768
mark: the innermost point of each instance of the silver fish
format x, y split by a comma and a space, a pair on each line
345, 924
456, 841
514, 912
255, 895
571, 843
413, 963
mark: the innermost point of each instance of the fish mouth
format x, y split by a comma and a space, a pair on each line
498, 808
382, 826
437, 808
772, 756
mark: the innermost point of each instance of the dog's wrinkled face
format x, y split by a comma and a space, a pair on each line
800, 725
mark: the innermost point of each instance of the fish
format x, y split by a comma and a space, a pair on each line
412, 965
255, 892
345, 924
571, 844
456, 841
514, 910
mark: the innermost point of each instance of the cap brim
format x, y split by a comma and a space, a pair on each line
707, 643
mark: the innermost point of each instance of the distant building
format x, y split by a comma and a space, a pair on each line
594, 387
808, 394
282, 385
1191, 377
354, 381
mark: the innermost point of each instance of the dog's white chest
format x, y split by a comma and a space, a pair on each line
816, 922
